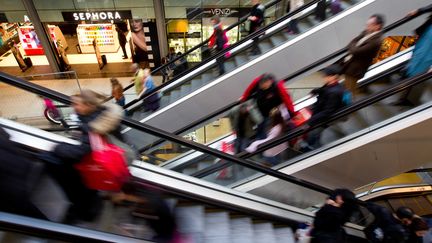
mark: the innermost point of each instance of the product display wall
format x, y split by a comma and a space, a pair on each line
104, 34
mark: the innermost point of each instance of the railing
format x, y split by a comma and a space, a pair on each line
221, 53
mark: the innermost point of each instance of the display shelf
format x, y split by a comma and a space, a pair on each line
105, 35
30, 41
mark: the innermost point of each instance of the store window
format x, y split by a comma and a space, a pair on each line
85, 34
188, 23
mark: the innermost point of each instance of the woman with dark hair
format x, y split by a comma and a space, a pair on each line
139, 46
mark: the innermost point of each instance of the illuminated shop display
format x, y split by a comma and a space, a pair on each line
30, 41
105, 35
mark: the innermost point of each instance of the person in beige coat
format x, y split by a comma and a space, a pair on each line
361, 52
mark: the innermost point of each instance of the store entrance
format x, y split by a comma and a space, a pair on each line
90, 48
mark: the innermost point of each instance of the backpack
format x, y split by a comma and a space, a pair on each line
346, 98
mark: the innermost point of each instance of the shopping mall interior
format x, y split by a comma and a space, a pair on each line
194, 174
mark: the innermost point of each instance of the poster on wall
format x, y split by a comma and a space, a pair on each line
144, 43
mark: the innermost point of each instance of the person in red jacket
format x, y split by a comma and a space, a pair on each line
268, 94
218, 41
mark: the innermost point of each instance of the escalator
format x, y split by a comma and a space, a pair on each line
307, 194
195, 99
370, 110
205, 212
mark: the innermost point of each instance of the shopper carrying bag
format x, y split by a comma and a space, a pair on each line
105, 167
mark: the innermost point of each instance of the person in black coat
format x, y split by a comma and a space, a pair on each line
328, 101
16, 179
256, 19
389, 227
330, 219
122, 41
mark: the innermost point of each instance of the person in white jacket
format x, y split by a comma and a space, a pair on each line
278, 127
292, 25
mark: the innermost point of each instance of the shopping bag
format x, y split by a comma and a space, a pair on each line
302, 117
105, 167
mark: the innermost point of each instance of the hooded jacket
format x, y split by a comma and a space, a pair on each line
105, 120
278, 90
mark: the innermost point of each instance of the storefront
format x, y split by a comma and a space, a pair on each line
83, 34
188, 25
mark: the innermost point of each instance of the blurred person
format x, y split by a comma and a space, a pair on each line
147, 204
122, 41
292, 25
330, 218
18, 57
268, 94
421, 60
117, 92
17, 176
417, 230
389, 227
243, 119
218, 41
181, 64
277, 128
164, 71
100, 119
320, 10
256, 20
361, 52
139, 46
329, 100
150, 103
138, 78
63, 56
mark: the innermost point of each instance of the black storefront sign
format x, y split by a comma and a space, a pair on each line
3, 18
96, 15
194, 13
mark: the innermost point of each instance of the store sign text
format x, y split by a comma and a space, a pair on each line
96, 16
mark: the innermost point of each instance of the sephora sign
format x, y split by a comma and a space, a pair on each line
97, 15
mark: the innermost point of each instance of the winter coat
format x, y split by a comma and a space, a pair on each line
392, 229
258, 12
277, 92
421, 30
329, 100
362, 55
328, 225
17, 177
218, 38
244, 128
105, 120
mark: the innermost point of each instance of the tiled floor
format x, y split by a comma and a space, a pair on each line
28, 108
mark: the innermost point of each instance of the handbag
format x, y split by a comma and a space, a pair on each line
303, 115
105, 167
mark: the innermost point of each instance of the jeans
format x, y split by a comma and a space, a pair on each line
121, 101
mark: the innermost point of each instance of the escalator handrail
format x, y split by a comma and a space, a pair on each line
55, 231
338, 115
221, 53
364, 83
242, 20
292, 76
34, 88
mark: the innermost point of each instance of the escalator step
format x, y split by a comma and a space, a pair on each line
241, 59
265, 45
278, 39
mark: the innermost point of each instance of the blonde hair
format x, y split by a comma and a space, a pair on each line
90, 97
